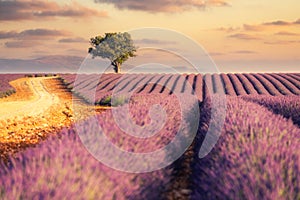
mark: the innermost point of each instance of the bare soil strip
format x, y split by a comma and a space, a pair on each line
32, 104
40, 106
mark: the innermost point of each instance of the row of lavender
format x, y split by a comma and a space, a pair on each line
288, 107
257, 155
5, 88
64, 169
95, 87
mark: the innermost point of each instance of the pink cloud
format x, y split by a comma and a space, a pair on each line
286, 33
21, 44
260, 27
73, 40
163, 5
243, 36
36, 10
248, 27
33, 34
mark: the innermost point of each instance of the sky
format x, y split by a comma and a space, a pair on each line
236, 35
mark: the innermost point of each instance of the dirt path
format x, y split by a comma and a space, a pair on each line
40, 107
36, 102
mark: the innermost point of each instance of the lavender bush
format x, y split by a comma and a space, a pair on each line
218, 84
5, 88
257, 156
292, 86
259, 87
267, 84
294, 81
282, 88
238, 86
249, 87
287, 106
229, 88
198, 86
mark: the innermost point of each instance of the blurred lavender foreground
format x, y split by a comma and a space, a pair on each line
257, 156
288, 106
62, 168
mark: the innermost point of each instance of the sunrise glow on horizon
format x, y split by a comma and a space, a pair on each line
239, 35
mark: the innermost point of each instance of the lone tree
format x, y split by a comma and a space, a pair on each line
117, 47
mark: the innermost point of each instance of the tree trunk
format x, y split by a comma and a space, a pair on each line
118, 68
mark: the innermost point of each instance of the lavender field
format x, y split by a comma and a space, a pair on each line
5, 88
230, 84
257, 155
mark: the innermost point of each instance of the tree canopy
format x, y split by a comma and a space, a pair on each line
117, 47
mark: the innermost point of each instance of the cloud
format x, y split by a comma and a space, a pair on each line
30, 37
40, 52
248, 27
228, 30
21, 44
244, 52
282, 23
153, 41
40, 10
73, 40
278, 23
163, 5
32, 34
216, 54
8, 34
286, 33
281, 42
41, 33
243, 36
259, 27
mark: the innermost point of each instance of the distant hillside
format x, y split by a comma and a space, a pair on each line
67, 62
43, 64
72, 64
